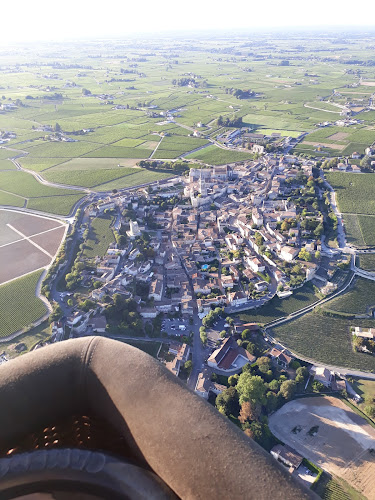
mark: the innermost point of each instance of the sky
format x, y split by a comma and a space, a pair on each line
33, 20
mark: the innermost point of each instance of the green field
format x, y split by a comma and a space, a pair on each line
151, 348
325, 339
356, 300
213, 155
19, 306
367, 261
21, 187
355, 192
99, 238
37, 334
278, 308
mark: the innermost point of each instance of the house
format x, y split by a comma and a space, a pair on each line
356, 155
148, 312
230, 358
204, 385
257, 217
365, 333
257, 148
280, 357
57, 330
181, 356
322, 374
288, 253
287, 456
261, 286
237, 298
156, 289
255, 264
98, 324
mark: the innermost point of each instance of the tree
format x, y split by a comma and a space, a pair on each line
274, 385
232, 380
246, 334
318, 231
251, 388
264, 364
188, 366
227, 402
317, 255
287, 389
271, 401
302, 370
365, 162
317, 386
249, 411
304, 255
57, 128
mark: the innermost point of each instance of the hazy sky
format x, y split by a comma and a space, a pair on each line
45, 20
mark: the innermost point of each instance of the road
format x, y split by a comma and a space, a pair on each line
341, 237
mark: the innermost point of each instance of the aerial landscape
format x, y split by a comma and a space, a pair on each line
210, 199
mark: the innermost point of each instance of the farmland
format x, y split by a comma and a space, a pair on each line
217, 156
278, 308
360, 296
325, 339
356, 200
355, 192
99, 238
367, 262
344, 140
18, 304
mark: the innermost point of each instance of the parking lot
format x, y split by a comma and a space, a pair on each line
172, 326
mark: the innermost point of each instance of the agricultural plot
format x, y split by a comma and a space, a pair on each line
11, 200
119, 152
341, 140
355, 192
99, 238
19, 306
61, 149
27, 243
20, 188
356, 300
325, 339
367, 261
212, 155
7, 165
138, 177
330, 434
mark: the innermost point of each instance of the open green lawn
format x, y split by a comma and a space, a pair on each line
19, 306
213, 155
356, 300
325, 339
278, 308
99, 238
365, 388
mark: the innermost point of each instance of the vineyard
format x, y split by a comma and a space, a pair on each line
355, 193
278, 308
325, 339
360, 296
18, 304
